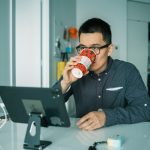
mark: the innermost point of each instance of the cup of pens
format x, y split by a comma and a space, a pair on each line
87, 58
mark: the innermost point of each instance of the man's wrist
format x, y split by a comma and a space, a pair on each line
65, 85
103, 116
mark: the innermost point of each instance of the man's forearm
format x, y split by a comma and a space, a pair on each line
64, 86
126, 115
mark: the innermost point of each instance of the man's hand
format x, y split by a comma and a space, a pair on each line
68, 78
92, 121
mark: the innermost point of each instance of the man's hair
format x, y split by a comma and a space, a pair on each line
96, 25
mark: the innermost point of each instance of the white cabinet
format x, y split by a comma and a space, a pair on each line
28, 43
138, 19
31, 34
138, 46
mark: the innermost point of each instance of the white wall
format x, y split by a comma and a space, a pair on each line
63, 14
114, 12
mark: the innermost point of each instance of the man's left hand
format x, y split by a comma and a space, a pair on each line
92, 121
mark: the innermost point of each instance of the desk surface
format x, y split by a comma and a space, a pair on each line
137, 136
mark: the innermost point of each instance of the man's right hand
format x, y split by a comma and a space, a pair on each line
68, 78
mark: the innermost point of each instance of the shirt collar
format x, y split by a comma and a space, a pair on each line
109, 63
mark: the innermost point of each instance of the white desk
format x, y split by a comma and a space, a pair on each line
137, 137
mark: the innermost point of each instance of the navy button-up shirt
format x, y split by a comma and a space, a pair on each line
119, 91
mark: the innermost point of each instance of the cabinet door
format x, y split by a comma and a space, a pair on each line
138, 46
31, 43
28, 43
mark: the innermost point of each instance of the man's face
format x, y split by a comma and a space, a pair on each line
93, 40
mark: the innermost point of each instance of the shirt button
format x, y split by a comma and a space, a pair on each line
99, 96
99, 79
58, 96
57, 90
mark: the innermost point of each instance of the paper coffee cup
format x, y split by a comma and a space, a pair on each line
87, 58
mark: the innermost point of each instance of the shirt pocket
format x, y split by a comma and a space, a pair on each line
113, 97
114, 88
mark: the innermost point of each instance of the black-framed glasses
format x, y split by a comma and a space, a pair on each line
96, 49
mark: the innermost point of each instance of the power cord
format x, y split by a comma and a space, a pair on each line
93, 147
5, 116
113, 141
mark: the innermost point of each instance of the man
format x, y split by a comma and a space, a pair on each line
112, 92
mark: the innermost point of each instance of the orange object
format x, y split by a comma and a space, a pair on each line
73, 32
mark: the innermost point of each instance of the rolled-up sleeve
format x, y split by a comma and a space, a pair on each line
57, 86
138, 102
